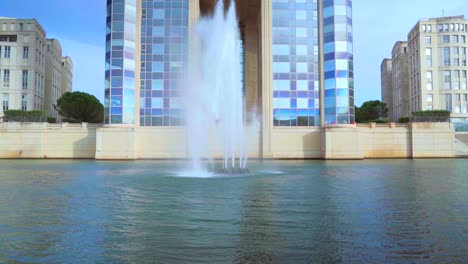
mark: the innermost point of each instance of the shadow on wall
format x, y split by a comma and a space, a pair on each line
85, 148
312, 145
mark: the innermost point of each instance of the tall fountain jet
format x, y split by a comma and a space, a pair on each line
214, 101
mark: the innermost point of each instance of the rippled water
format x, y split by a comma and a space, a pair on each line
399, 211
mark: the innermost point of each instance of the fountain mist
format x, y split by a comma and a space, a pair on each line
214, 103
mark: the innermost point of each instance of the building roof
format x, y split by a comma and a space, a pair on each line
461, 17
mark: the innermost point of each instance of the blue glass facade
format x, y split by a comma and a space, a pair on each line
338, 62
120, 62
296, 99
296, 82
295, 62
164, 39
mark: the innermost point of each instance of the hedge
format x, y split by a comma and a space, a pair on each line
431, 116
25, 116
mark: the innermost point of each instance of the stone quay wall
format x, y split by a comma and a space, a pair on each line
362, 141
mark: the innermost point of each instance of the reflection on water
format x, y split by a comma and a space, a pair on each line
399, 211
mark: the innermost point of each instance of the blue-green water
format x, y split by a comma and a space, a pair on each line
397, 211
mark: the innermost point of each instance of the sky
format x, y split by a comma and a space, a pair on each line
378, 24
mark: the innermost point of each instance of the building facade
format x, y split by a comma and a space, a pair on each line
53, 78
67, 75
386, 86
400, 80
297, 59
30, 67
22, 64
437, 68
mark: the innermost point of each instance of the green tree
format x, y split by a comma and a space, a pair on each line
371, 111
77, 107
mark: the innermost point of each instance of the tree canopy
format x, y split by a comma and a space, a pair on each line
77, 107
371, 111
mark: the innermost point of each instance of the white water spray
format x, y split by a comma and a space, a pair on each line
214, 104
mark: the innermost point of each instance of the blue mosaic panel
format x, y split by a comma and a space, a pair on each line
338, 62
120, 62
164, 38
295, 63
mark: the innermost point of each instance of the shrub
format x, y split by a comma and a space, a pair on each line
403, 119
51, 120
431, 116
25, 116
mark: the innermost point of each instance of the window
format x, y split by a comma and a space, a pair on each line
25, 79
446, 27
424, 28
429, 98
24, 102
428, 40
25, 52
5, 102
463, 39
441, 28
429, 74
429, 57
6, 78
429, 86
447, 79
446, 56
455, 39
21, 26
448, 102
7, 52
446, 38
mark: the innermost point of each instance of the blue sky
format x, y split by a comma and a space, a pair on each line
80, 27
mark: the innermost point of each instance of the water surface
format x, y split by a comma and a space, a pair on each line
381, 211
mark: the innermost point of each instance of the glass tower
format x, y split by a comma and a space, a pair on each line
164, 38
295, 63
311, 57
120, 62
338, 62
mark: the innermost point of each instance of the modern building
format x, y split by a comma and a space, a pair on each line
53, 80
67, 75
437, 68
400, 80
298, 63
30, 66
386, 85
22, 64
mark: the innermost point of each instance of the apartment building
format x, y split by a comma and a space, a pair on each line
30, 67
437, 69
22, 64
386, 85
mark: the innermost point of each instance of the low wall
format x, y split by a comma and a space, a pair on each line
155, 143
294, 143
414, 140
43, 140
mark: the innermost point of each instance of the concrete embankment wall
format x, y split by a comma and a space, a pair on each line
43, 140
364, 141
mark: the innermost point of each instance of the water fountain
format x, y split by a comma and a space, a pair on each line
214, 102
